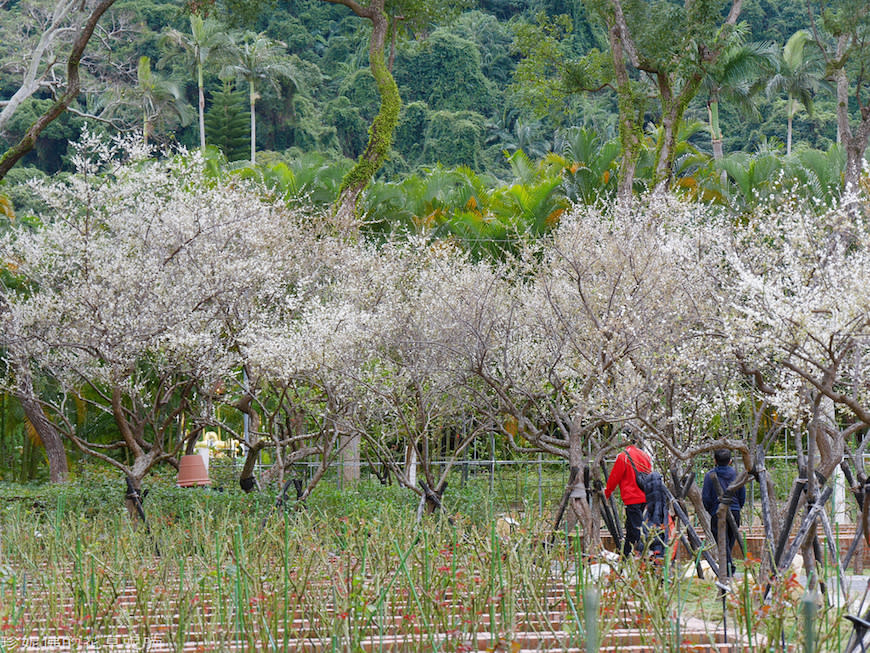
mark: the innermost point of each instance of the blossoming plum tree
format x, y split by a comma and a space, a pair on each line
421, 395
129, 287
797, 318
376, 351
584, 335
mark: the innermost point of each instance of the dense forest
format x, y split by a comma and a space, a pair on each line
478, 81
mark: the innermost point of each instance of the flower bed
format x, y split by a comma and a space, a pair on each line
225, 580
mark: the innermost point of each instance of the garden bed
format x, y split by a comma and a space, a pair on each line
370, 579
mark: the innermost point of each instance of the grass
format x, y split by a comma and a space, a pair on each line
351, 569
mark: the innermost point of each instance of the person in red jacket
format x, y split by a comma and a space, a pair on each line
622, 475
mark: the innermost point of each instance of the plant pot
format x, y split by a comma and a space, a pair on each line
192, 471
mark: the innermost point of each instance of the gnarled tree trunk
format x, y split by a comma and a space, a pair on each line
58, 469
384, 124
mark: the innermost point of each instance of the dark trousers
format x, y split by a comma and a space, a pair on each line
633, 528
730, 535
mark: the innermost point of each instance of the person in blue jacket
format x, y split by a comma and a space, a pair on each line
716, 481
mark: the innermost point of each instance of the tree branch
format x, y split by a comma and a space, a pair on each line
18, 151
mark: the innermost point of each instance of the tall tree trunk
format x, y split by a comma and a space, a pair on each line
673, 109
715, 130
854, 142
201, 104
253, 100
384, 124
630, 107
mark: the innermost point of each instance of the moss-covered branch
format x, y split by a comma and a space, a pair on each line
384, 124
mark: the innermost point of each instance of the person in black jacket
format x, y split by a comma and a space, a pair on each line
716, 481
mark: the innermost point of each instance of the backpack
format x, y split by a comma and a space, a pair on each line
643, 479
655, 518
653, 486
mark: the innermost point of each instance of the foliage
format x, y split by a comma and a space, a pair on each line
550, 71
350, 126
161, 100
361, 92
50, 153
736, 78
307, 180
410, 135
15, 188
588, 165
445, 72
754, 177
454, 138
327, 50
227, 124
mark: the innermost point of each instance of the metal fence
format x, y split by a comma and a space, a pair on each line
512, 485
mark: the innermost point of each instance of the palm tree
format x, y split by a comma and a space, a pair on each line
259, 58
527, 136
311, 178
422, 202
208, 40
752, 177
734, 78
159, 95
818, 174
800, 76
587, 164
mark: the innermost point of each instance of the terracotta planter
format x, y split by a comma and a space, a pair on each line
192, 471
